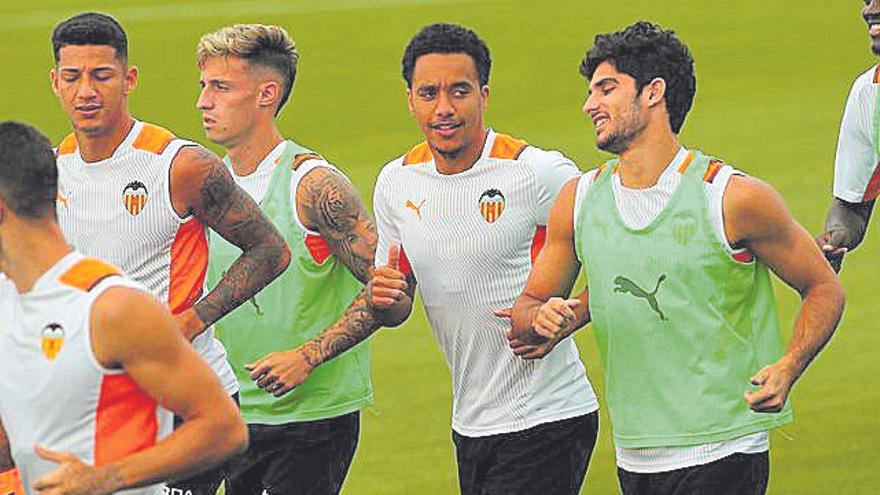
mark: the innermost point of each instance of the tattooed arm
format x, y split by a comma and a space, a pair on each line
201, 185
328, 203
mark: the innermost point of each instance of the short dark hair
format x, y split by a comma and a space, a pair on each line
447, 38
28, 175
645, 51
90, 28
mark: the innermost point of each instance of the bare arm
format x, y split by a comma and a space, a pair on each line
541, 314
758, 219
845, 229
202, 185
132, 331
6, 462
328, 203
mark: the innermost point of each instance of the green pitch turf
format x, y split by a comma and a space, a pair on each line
772, 80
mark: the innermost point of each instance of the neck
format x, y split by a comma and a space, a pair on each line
94, 148
647, 157
33, 248
463, 160
246, 155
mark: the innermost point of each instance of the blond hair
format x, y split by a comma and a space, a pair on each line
259, 44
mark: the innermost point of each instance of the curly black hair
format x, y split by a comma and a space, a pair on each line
90, 28
645, 51
447, 38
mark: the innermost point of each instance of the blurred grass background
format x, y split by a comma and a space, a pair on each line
772, 79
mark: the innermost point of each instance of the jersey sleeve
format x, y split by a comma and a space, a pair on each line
385, 226
855, 163
553, 170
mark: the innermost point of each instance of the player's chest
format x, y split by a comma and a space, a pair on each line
484, 216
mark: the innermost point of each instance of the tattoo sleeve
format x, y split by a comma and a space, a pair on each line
327, 202
232, 213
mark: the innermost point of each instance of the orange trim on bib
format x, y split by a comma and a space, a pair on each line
87, 273
686, 163
420, 153
715, 166
125, 421
189, 266
153, 139
299, 159
507, 148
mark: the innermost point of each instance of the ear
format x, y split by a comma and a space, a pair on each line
484, 91
654, 91
131, 77
268, 94
53, 76
409, 101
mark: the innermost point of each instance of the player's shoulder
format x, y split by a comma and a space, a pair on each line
84, 274
152, 138
506, 147
417, 156
867, 81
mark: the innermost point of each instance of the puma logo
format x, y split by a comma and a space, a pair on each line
417, 209
626, 285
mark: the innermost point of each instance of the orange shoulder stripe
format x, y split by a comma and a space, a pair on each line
299, 159
686, 163
715, 166
419, 153
153, 139
68, 145
877, 74
507, 148
87, 273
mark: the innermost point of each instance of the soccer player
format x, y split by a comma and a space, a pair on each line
133, 194
856, 170
463, 214
676, 247
92, 364
302, 408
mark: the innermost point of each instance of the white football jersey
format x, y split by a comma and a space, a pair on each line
120, 210
55, 393
856, 174
469, 239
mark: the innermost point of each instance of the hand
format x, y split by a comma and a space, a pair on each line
280, 372
74, 477
831, 245
536, 349
556, 318
388, 284
190, 324
775, 382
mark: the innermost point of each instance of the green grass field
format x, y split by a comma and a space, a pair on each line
772, 80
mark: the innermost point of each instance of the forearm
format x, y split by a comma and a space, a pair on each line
253, 270
851, 219
356, 324
6, 462
819, 315
199, 444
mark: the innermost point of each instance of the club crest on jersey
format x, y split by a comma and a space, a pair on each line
53, 337
134, 197
491, 205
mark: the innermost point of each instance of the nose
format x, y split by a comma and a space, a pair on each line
591, 104
85, 90
444, 107
204, 102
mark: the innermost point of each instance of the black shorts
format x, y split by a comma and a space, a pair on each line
205, 483
737, 474
548, 459
311, 457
